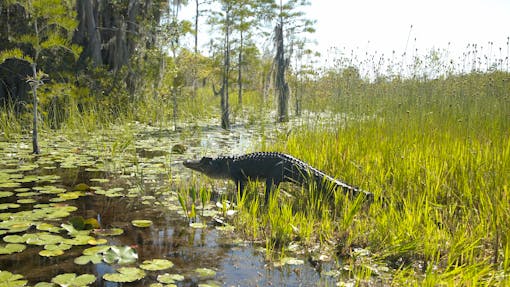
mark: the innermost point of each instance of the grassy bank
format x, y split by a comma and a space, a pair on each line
438, 164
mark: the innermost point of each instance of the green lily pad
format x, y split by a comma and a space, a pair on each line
81, 187
25, 193
49, 189
4, 206
125, 274
79, 240
85, 259
100, 180
205, 273
71, 280
15, 225
97, 241
120, 255
5, 193
210, 283
44, 284
51, 253
73, 231
42, 238
48, 227
109, 232
156, 264
11, 280
198, 225
169, 278
61, 246
9, 184
26, 201
11, 248
14, 239
95, 250
141, 223
161, 285
288, 261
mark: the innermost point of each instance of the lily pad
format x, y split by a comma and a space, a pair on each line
120, 255
288, 261
49, 189
48, 227
210, 283
42, 238
51, 253
169, 278
205, 273
109, 232
85, 259
4, 206
26, 201
14, 239
5, 193
61, 246
198, 225
71, 280
11, 248
95, 250
81, 187
141, 223
79, 240
97, 241
156, 264
11, 280
125, 274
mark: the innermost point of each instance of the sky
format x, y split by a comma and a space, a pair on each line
383, 26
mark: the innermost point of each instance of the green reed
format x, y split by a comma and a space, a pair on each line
436, 155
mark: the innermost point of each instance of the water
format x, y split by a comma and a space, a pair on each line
142, 167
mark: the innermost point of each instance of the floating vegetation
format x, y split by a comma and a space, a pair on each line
108, 232
72, 280
169, 278
141, 223
156, 264
125, 274
8, 279
11, 248
204, 273
120, 255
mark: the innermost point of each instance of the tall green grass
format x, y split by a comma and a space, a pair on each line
436, 155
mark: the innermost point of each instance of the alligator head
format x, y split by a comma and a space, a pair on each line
215, 168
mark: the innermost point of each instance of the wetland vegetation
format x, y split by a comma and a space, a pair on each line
106, 201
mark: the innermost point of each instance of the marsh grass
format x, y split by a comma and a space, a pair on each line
436, 155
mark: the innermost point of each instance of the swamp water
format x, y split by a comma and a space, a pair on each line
105, 207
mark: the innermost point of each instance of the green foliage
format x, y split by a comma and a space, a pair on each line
14, 54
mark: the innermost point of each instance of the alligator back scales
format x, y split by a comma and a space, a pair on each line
272, 167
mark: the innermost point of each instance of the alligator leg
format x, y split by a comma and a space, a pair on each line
269, 185
241, 184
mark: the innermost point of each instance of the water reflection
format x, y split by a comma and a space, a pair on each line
170, 236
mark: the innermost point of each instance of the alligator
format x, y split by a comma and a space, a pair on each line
274, 168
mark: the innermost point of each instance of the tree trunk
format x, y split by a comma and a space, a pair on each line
240, 72
89, 20
281, 84
225, 117
34, 84
195, 80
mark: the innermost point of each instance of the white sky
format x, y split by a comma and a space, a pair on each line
384, 26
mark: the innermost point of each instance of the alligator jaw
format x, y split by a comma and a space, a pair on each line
194, 165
